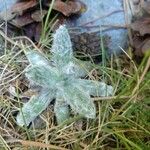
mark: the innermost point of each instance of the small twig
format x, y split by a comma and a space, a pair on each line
111, 98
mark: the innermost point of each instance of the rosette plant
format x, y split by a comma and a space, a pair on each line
60, 79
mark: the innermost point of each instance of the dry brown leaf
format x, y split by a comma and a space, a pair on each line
23, 20
137, 46
145, 5
146, 46
141, 45
141, 35
26, 14
33, 31
142, 26
68, 8
38, 31
38, 15
21, 6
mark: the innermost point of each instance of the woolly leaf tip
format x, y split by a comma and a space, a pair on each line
61, 43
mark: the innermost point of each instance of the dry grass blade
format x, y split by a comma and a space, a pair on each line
142, 76
36, 144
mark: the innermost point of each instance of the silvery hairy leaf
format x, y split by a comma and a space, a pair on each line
45, 76
95, 88
61, 110
61, 43
79, 100
36, 58
35, 106
62, 47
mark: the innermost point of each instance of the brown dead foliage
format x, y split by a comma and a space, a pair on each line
28, 15
141, 35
